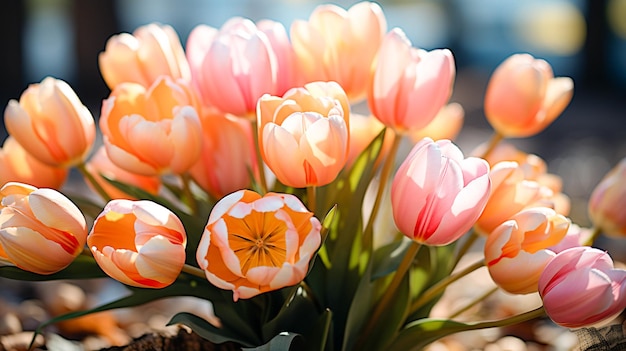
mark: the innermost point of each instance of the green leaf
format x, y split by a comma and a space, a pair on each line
424, 331
388, 258
83, 267
284, 341
207, 330
298, 314
359, 310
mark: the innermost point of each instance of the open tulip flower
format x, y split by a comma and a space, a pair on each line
437, 194
41, 230
46, 114
139, 243
253, 244
580, 287
517, 251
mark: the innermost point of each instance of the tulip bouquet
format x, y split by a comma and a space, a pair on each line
239, 169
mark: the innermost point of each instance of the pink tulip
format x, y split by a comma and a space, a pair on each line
233, 67
608, 201
517, 251
340, 45
47, 113
17, 165
152, 131
253, 244
151, 51
437, 194
523, 97
41, 230
581, 288
409, 86
226, 139
447, 124
139, 243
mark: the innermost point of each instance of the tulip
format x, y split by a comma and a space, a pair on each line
234, 66
138, 243
447, 124
100, 165
46, 114
253, 244
304, 135
517, 251
339, 45
226, 138
607, 202
510, 193
152, 131
523, 97
581, 288
409, 86
151, 51
41, 230
17, 165
363, 130
437, 194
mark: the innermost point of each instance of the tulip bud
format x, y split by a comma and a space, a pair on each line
253, 244
517, 251
17, 165
47, 113
581, 288
608, 200
437, 194
139, 243
523, 97
41, 230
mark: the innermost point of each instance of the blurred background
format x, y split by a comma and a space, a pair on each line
585, 40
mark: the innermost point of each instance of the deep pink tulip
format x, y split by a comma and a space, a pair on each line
580, 288
409, 86
437, 194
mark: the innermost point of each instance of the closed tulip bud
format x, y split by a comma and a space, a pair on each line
226, 138
41, 230
523, 97
151, 51
17, 165
304, 135
580, 287
152, 131
46, 114
437, 194
348, 58
517, 251
100, 165
409, 86
253, 244
608, 200
234, 66
139, 243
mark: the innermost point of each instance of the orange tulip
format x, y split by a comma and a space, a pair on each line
100, 165
446, 125
47, 113
409, 86
226, 138
339, 45
363, 130
139, 243
234, 66
152, 131
253, 244
608, 201
41, 230
517, 251
17, 165
523, 97
151, 51
304, 135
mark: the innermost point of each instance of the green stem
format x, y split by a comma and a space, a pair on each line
311, 192
195, 271
441, 285
191, 199
90, 178
496, 138
259, 158
519, 318
473, 303
384, 176
471, 239
390, 292
595, 233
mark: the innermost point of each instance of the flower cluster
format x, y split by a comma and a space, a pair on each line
233, 168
